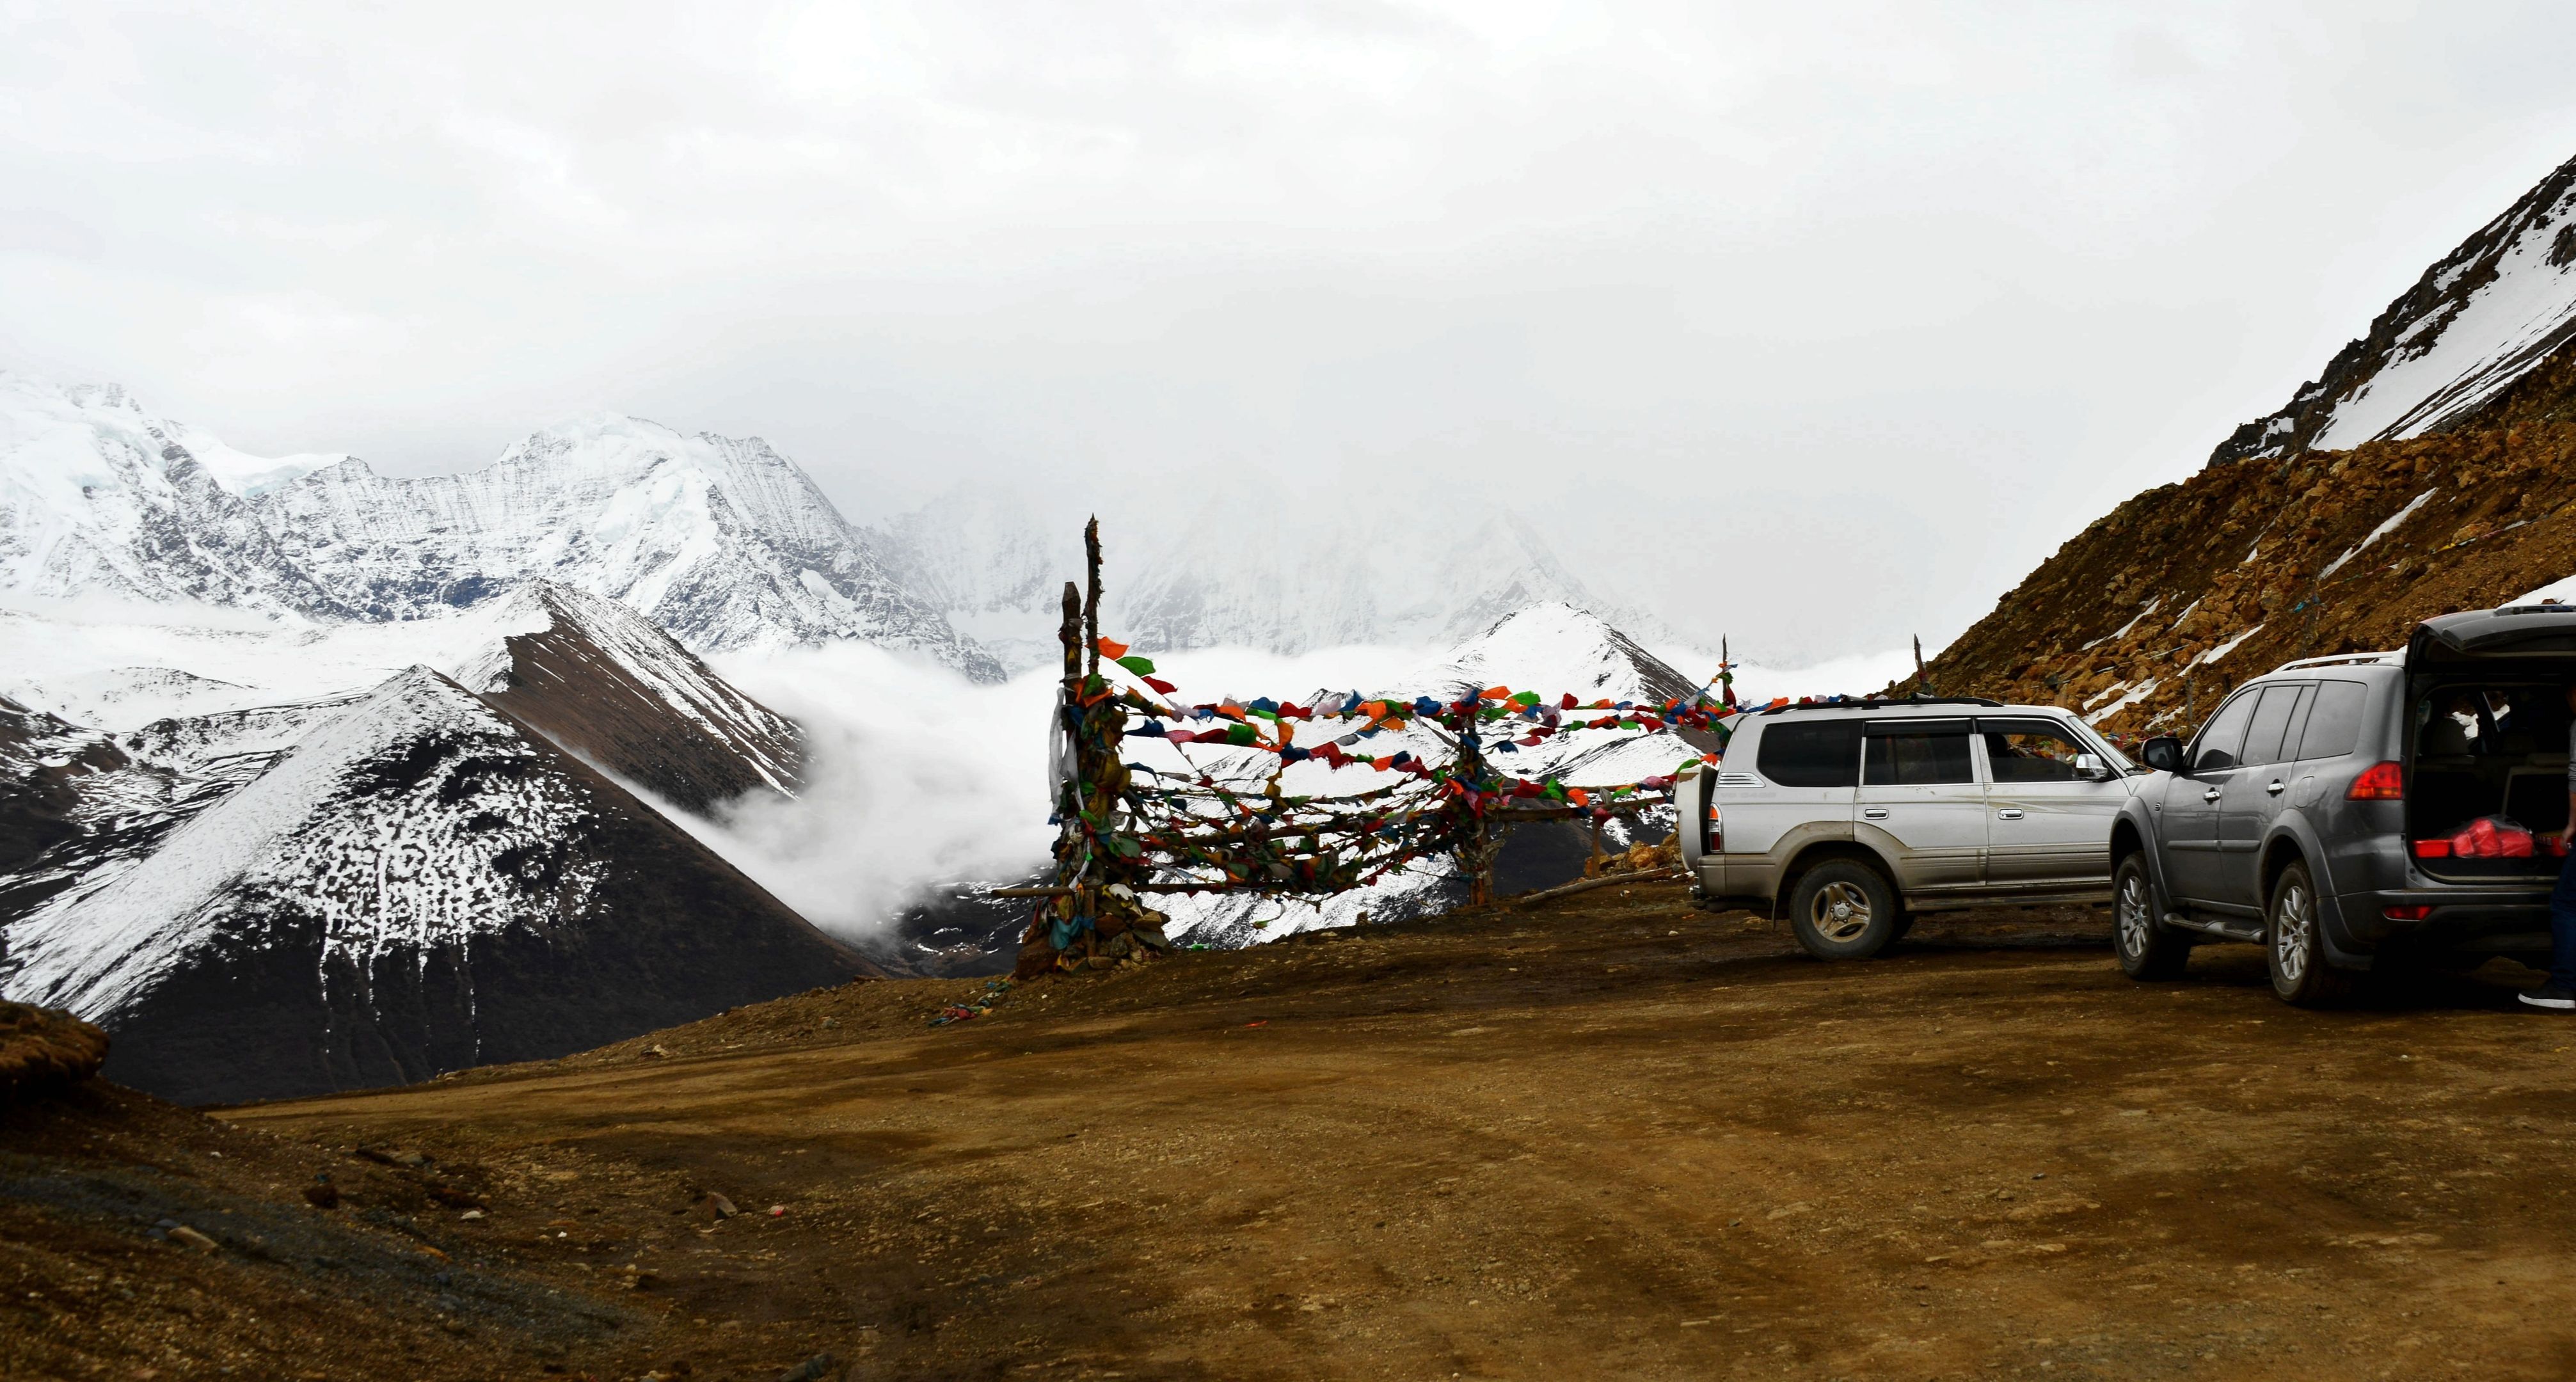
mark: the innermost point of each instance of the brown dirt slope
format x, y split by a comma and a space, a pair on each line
2187, 589
1606, 1137
42, 1051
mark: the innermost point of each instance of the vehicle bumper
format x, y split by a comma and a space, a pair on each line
2502, 920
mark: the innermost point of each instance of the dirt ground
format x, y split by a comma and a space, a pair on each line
1608, 1137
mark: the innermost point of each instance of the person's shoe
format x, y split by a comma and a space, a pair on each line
2551, 996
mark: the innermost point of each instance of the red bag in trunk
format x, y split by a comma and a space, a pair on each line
2493, 837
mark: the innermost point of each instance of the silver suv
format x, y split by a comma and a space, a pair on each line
1850, 817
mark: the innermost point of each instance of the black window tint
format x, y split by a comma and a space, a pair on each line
2223, 738
2271, 718
2029, 750
1917, 759
1811, 755
2334, 721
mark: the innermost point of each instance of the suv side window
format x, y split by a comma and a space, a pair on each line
1922, 754
2029, 750
1823, 754
2334, 723
2271, 721
2223, 738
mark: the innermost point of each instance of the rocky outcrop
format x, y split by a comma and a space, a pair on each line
42, 1051
2145, 618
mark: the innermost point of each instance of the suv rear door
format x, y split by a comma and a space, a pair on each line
1920, 793
2051, 825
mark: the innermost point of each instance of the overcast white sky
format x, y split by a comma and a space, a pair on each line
1821, 323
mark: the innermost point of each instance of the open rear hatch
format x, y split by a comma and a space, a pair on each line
2486, 741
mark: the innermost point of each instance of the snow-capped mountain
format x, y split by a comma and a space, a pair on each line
417, 885
601, 681
2484, 316
723, 542
1240, 572
99, 497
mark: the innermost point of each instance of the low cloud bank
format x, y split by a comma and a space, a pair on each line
916, 777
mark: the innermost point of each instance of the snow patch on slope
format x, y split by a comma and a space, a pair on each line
358, 827
2487, 314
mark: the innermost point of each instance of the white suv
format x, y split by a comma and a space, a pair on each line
1850, 817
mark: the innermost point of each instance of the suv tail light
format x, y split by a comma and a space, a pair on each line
2414, 911
1713, 836
2378, 782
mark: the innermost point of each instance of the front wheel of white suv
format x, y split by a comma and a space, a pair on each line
2294, 941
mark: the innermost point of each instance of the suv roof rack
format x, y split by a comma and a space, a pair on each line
2341, 659
1878, 703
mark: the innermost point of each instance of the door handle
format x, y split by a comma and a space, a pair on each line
1874, 813
2274, 789
2210, 795
2010, 813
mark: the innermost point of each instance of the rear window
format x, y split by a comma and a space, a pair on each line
1811, 755
2334, 724
1923, 754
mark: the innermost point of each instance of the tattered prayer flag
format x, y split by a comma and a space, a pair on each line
1497, 693
1141, 666
1161, 685
1242, 734
1578, 796
1568, 703
1112, 649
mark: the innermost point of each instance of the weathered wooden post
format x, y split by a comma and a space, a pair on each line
1098, 865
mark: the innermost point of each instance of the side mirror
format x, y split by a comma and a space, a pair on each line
2162, 753
2089, 766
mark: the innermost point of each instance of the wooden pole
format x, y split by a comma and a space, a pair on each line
1091, 600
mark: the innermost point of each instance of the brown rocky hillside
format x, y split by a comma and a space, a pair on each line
2149, 615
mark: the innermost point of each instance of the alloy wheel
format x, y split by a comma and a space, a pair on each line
2292, 919
1840, 911
2135, 919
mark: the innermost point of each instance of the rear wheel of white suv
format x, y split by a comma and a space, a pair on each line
2295, 943
1843, 909
2148, 948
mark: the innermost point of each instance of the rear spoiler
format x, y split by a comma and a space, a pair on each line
2476, 635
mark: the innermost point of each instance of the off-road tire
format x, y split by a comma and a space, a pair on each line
2149, 950
2294, 946
1843, 910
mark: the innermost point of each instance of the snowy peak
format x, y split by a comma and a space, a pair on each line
309, 835
98, 496
417, 885
722, 541
2487, 314
605, 683
1554, 648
